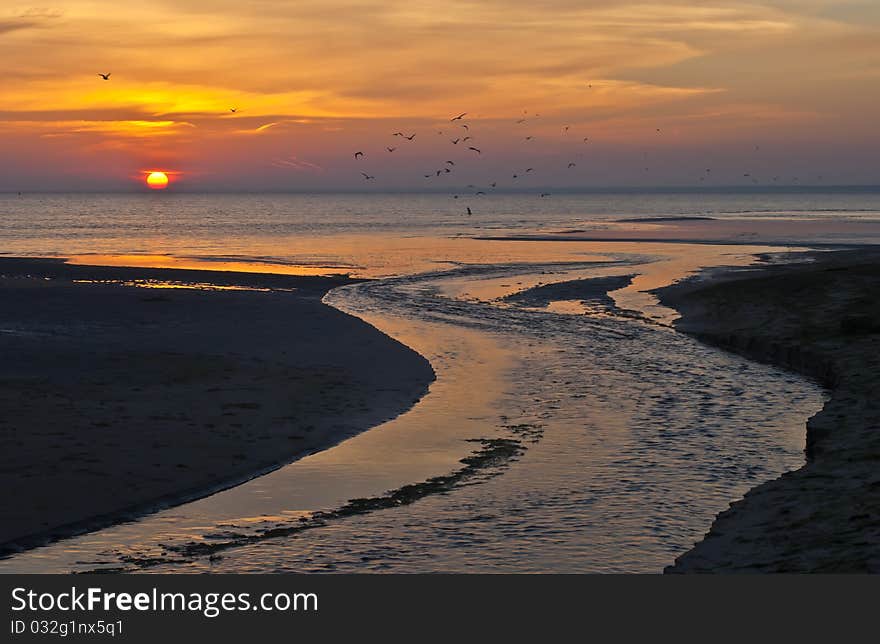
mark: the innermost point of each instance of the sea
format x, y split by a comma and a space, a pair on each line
627, 436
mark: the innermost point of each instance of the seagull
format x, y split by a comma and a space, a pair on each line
427, 176
465, 126
455, 141
455, 196
410, 137
447, 170
565, 129
233, 109
521, 121
398, 134
451, 162
475, 150
459, 117
439, 172
515, 176
571, 165
104, 76
493, 184
358, 154
479, 192
586, 138
529, 138
367, 176
530, 169
467, 138
391, 149
658, 130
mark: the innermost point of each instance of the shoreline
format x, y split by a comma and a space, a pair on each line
822, 320
107, 388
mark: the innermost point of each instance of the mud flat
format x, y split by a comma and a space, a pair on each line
821, 318
117, 400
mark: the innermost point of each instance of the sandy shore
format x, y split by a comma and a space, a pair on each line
821, 319
118, 400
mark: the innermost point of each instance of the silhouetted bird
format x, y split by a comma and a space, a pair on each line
233, 109
410, 137
529, 138
475, 150
493, 184
530, 169
391, 149
469, 211
104, 76
358, 154
571, 165
459, 117
455, 141
545, 194
451, 162
367, 176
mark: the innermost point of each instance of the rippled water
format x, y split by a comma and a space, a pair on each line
628, 439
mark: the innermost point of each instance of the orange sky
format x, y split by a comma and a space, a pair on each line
769, 89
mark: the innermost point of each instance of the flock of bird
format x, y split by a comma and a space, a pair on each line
464, 137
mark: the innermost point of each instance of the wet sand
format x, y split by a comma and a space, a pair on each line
822, 319
118, 400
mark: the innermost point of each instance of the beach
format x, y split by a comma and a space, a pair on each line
124, 393
820, 317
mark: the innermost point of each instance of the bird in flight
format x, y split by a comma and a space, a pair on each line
467, 138
571, 165
530, 169
427, 176
367, 176
565, 129
233, 109
358, 154
521, 121
475, 150
410, 137
465, 126
439, 172
493, 184
586, 138
529, 138
451, 162
391, 149
459, 117
545, 194
104, 76
658, 130
455, 141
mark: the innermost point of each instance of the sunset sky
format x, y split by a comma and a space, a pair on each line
775, 90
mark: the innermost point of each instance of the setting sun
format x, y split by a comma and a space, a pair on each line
157, 180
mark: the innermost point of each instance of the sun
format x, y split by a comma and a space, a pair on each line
157, 180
